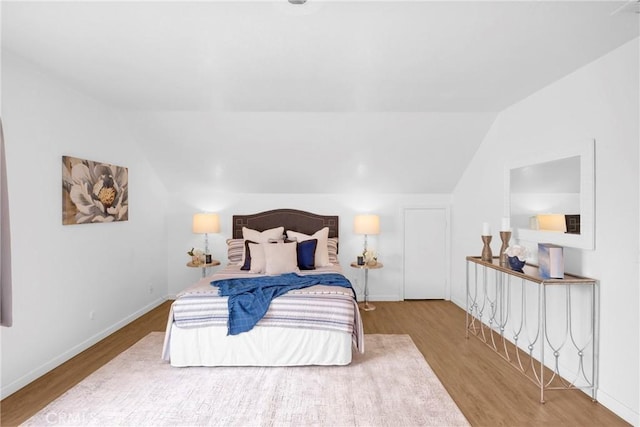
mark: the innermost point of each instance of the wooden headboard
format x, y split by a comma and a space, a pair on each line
291, 219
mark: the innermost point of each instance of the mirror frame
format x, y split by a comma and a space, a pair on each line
586, 239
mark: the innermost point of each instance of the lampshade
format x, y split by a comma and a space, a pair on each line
552, 222
206, 223
366, 224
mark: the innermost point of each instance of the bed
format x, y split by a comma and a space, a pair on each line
310, 314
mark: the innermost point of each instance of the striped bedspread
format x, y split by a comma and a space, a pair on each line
317, 307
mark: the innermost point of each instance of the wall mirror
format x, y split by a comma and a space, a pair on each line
557, 189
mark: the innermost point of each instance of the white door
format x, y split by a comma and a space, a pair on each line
425, 249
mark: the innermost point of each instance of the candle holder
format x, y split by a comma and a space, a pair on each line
505, 236
486, 250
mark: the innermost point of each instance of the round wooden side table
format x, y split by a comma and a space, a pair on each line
204, 267
366, 306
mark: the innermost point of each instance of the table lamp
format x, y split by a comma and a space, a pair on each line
205, 223
366, 224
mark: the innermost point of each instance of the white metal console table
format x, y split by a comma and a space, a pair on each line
525, 318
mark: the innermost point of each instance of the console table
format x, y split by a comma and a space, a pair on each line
527, 319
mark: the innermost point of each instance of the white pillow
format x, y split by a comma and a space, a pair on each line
258, 261
260, 237
322, 250
279, 257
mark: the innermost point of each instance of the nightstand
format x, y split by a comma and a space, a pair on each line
366, 306
204, 267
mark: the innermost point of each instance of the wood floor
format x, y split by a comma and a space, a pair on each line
488, 391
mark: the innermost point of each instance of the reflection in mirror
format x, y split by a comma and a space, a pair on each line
546, 196
561, 183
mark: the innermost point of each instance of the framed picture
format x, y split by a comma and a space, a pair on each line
93, 192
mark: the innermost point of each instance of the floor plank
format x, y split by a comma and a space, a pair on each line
488, 391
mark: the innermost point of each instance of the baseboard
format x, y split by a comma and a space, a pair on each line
360, 297
461, 304
621, 410
16, 385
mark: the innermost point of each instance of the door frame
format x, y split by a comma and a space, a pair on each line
446, 207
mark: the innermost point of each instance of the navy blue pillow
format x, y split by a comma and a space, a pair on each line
307, 254
247, 256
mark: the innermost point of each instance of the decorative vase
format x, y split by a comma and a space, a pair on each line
505, 236
486, 255
372, 262
515, 264
195, 260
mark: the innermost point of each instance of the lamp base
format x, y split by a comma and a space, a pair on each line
367, 306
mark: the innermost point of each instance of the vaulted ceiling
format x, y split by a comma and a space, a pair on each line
395, 96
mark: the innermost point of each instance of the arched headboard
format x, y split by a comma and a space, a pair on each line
291, 219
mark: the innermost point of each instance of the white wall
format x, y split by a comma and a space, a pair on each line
598, 101
61, 273
384, 284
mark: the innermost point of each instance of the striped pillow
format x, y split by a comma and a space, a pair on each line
332, 245
235, 250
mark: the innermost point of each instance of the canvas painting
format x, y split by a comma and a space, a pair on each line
93, 192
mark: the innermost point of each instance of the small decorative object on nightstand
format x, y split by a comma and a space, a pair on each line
196, 256
366, 267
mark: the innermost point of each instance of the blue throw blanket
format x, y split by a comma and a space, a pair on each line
249, 298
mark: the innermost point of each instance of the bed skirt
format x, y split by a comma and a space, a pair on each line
261, 346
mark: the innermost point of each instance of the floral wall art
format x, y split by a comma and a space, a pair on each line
93, 192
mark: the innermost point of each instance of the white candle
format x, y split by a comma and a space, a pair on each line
486, 229
506, 225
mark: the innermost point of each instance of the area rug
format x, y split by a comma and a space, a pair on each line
390, 385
